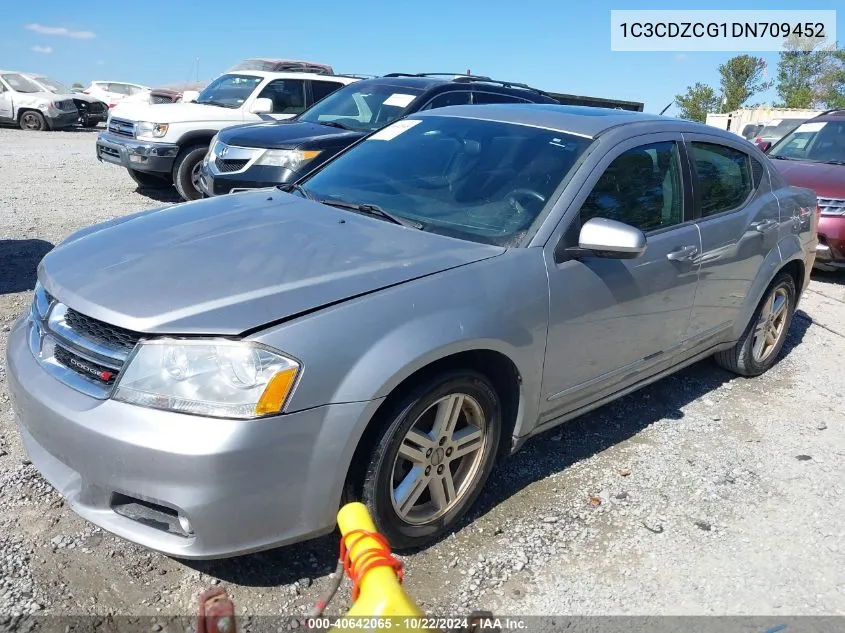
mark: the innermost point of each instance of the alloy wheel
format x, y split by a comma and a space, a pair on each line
31, 121
770, 325
438, 459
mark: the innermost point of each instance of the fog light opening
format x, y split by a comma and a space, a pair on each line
185, 524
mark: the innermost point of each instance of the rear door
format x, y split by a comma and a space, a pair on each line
6, 110
612, 320
287, 96
318, 89
739, 219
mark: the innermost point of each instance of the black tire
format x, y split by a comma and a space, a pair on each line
377, 489
188, 160
86, 122
741, 359
146, 180
34, 121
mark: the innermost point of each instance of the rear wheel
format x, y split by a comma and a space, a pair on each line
433, 458
33, 120
148, 180
186, 171
758, 348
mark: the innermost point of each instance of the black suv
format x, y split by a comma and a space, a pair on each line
278, 152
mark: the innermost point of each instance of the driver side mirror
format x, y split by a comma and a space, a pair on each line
262, 105
600, 237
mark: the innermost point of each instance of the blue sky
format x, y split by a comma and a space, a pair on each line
551, 44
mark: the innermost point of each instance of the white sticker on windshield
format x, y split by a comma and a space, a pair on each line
774, 122
811, 127
399, 100
394, 129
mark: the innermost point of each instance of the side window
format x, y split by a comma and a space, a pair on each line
723, 177
641, 187
133, 90
320, 89
491, 97
287, 95
453, 97
121, 89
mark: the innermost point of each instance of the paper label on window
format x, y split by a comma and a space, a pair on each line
811, 127
774, 122
399, 100
394, 129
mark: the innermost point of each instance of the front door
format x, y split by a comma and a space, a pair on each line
610, 319
5, 103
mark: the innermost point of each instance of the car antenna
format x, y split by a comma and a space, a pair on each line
666, 108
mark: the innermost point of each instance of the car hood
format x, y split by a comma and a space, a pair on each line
828, 181
229, 264
174, 112
273, 135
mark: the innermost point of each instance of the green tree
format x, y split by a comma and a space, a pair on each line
742, 78
798, 72
697, 102
76, 85
831, 80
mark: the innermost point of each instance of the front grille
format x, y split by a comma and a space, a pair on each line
67, 106
101, 333
108, 150
225, 166
832, 206
84, 367
161, 99
121, 127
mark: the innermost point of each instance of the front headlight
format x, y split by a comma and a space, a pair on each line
291, 159
40, 302
217, 378
154, 130
212, 145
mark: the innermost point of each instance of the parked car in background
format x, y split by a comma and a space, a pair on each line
460, 281
28, 105
114, 92
776, 130
749, 132
91, 110
174, 94
276, 65
164, 144
813, 156
272, 153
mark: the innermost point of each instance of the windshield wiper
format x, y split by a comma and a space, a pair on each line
212, 102
834, 162
784, 157
289, 187
333, 124
374, 210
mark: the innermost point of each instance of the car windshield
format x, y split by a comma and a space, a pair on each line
19, 83
364, 107
53, 85
483, 181
815, 141
777, 129
229, 91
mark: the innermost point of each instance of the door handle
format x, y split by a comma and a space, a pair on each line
683, 254
765, 225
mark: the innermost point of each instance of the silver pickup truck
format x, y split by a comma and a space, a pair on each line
23, 102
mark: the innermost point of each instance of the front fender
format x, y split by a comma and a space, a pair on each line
362, 349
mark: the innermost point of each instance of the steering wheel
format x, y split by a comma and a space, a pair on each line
522, 192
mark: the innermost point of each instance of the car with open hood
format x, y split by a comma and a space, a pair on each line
91, 110
216, 377
25, 103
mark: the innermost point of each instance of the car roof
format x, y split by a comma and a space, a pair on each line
291, 75
829, 115
579, 120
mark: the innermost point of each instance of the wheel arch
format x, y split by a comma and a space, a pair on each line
495, 365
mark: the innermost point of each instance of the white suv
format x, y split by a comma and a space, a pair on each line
113, 92
164, 144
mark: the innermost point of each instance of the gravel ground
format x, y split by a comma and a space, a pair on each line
702, 494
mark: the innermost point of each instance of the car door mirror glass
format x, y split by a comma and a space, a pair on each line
262, 105
601, 237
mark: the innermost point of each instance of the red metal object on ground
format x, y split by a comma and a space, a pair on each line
216, 612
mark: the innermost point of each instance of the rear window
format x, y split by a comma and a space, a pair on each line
723, 175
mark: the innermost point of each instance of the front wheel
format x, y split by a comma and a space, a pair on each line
34, 121
433, 458
759, 346
186, 171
